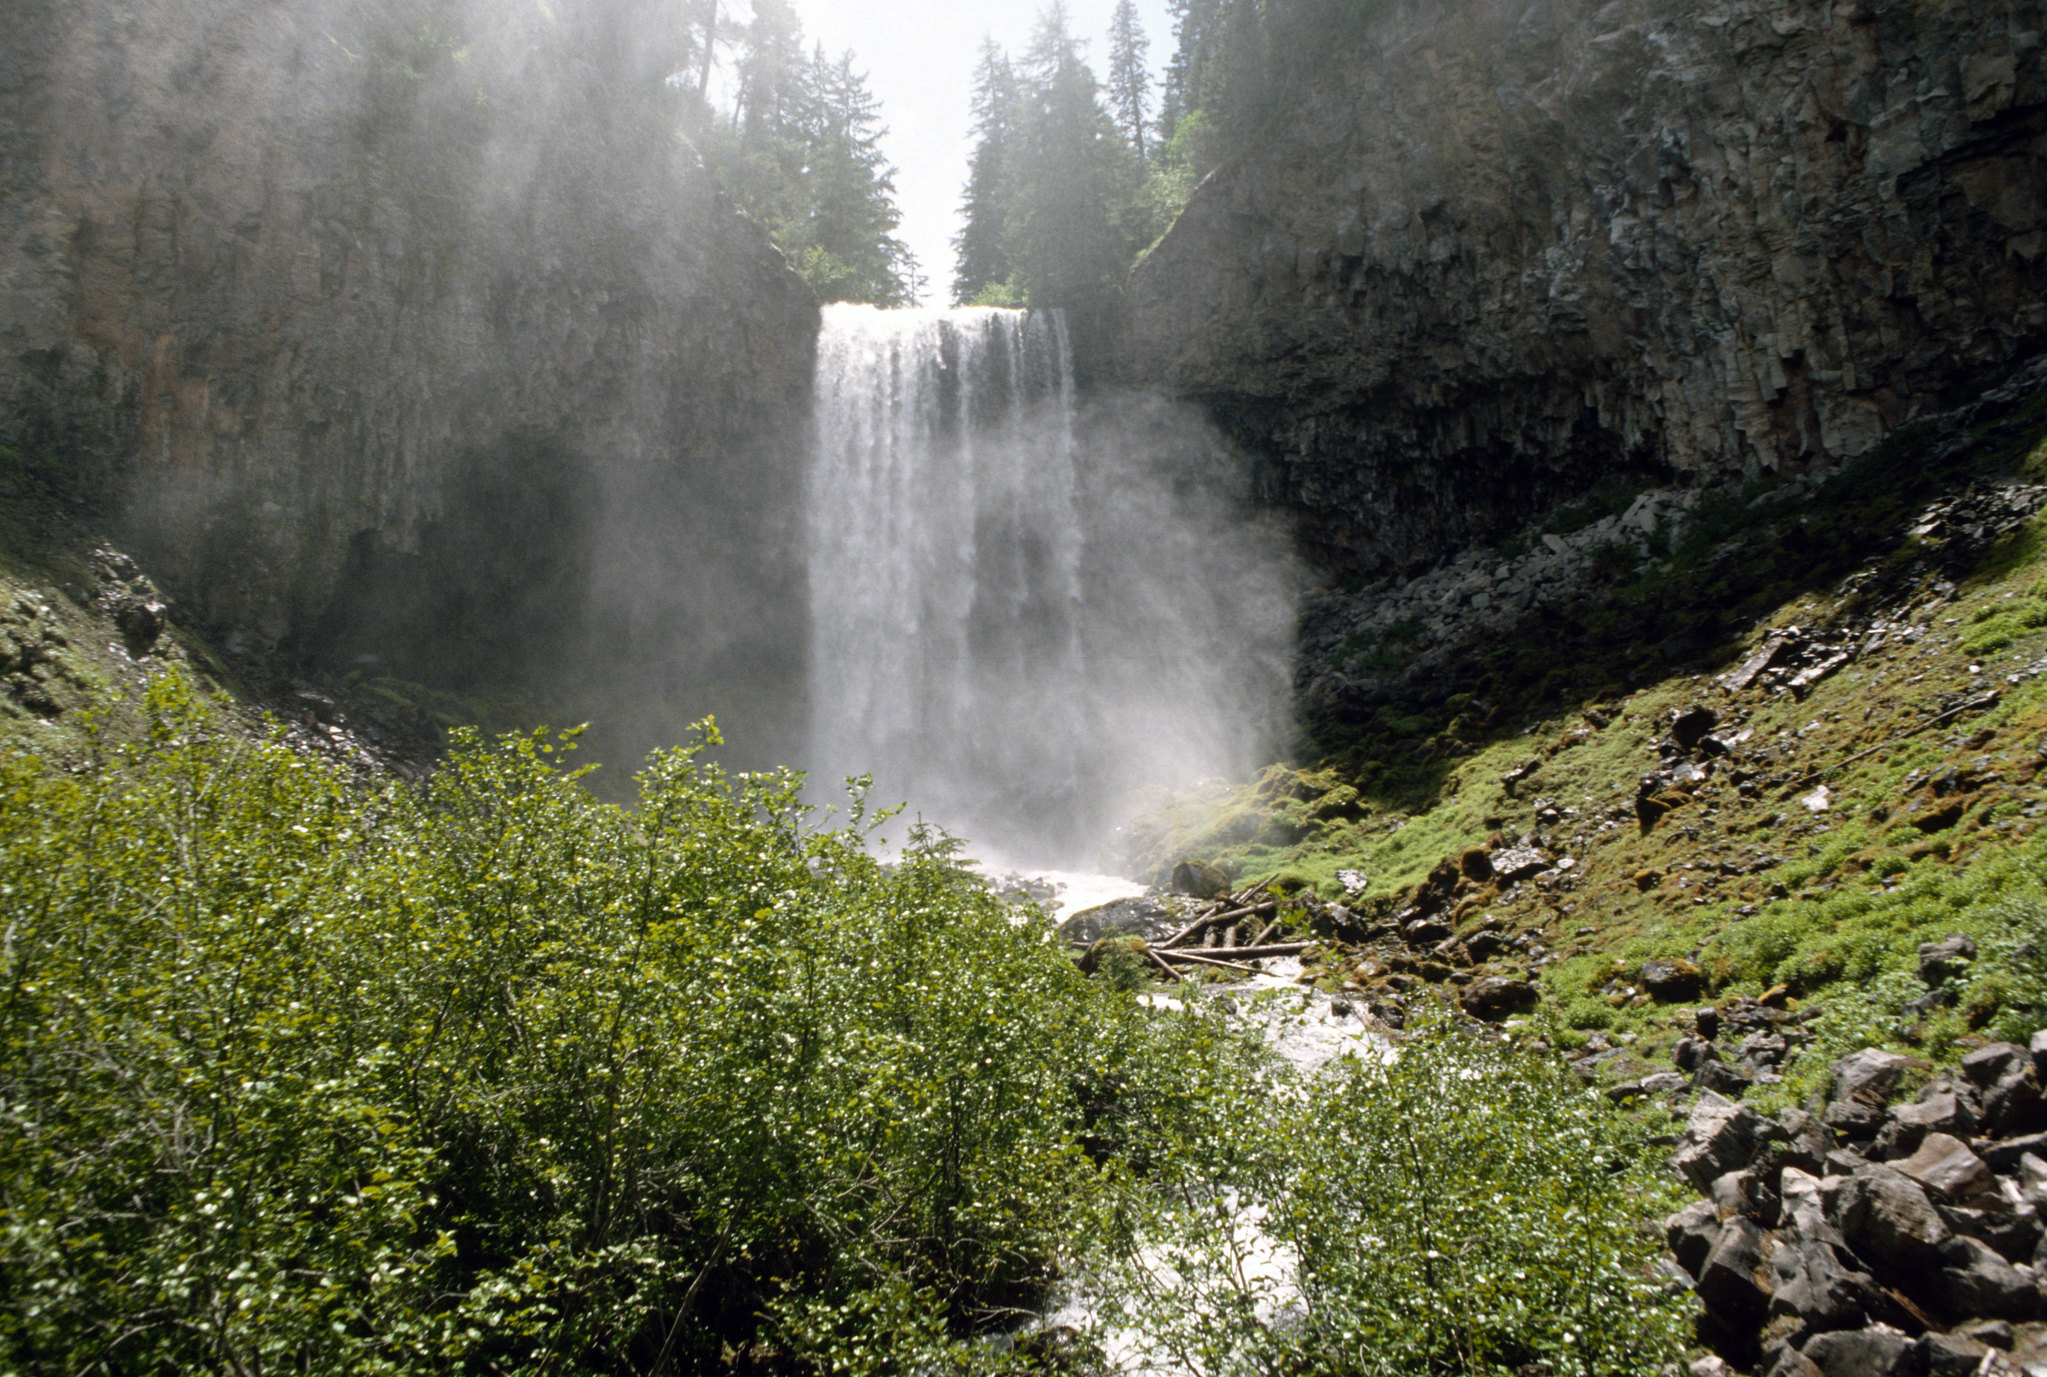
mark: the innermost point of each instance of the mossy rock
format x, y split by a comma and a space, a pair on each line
1201, 880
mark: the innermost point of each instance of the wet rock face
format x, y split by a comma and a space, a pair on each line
327, 305
1493, 253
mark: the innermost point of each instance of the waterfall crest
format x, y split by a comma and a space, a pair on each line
982, 640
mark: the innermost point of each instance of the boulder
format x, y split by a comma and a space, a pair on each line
1689, 726
1722, 1079
1132, 917
1871, 1074
1991, 1333
1493, 998
1736, 1280
1974, 1282
1951, 1355
1484, 946
2013, 1232
1815, 1291
1749, 1194
1940, 962
1719, 1137
1863, 1083
1907, 1125
1785, 1361
1690, 1235
1673, 982
1874, 1352
1201, 880
2039, 1051
1515, 863
1986, 1066
1426, 932
1803, 1211
1948, 1169
2004, 1158
1854, 1118
1888, 1221
2012, 1105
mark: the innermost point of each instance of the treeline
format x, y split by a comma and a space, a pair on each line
795, 136
1074, 175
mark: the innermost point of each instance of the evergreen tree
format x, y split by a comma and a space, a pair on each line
771, 74
845, 245
1196, 25
1072, 177
981, 263
801, 151
1129, 76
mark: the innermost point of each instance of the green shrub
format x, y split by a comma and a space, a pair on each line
1461, 1208
488, 1076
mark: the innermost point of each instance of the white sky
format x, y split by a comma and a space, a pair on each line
920, 59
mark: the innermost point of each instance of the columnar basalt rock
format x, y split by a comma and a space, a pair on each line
370, 319
1490, 253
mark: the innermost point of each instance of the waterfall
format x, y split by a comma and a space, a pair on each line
979, 641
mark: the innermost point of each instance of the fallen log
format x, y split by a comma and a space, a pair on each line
1211, 961
1200, 923
1171, 974
1211, 953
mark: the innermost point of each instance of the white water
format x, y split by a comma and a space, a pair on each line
1024, 612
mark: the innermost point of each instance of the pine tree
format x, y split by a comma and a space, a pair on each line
1196, 25
1129, 76
771, 73
1072, 175
980, 262
846, 248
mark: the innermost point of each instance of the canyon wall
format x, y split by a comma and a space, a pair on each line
1490, 253
409, 336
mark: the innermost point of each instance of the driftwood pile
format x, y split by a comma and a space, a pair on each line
1230, 931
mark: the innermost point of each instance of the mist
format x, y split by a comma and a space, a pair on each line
1031, 611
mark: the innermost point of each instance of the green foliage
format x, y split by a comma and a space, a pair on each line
487, 1076
1053, 188
801, 151
1995, 628
1119, 961
1460, 1208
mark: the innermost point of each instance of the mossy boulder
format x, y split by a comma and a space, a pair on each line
1201, 880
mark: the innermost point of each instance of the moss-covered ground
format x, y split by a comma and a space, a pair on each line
1802, 856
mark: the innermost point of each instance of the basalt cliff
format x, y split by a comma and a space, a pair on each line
1490, 254
405, 338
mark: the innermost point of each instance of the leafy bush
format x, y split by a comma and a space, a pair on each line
488, 1076
1461, 1208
